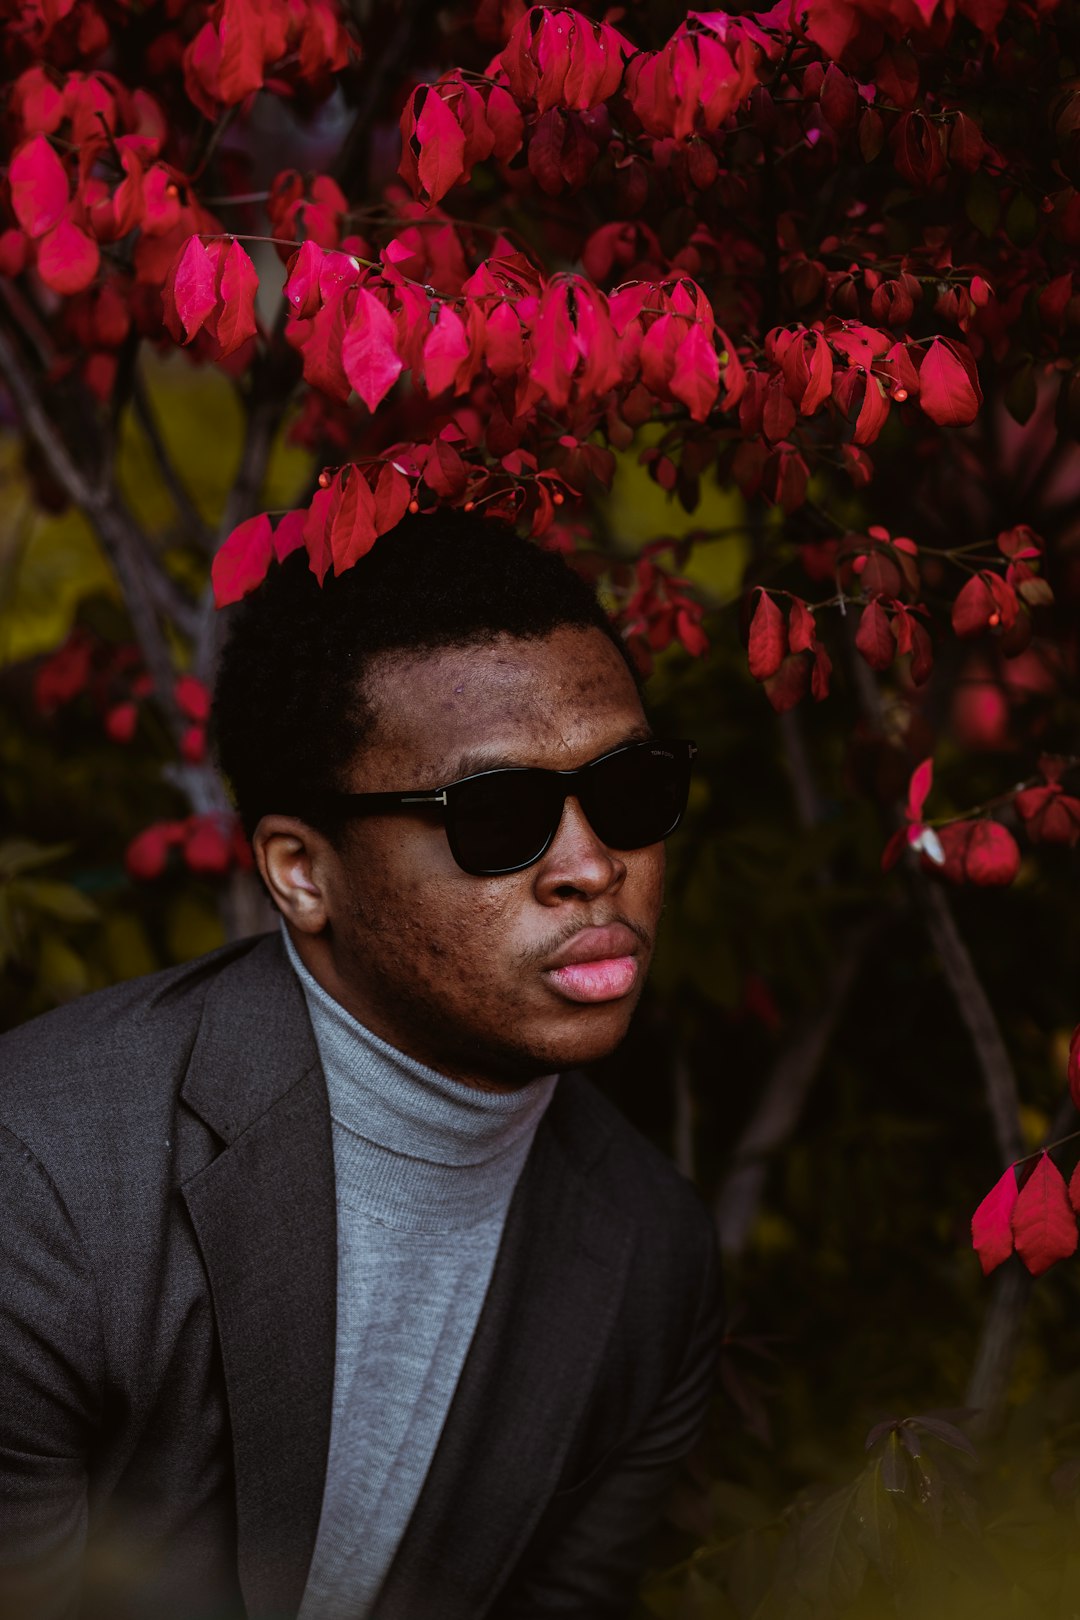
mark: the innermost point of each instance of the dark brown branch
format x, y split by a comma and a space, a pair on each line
782, 1100
120, 538
973, 1005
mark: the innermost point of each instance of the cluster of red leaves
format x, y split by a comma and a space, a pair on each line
1037, 1220
99, 194
116, 683
1035, 1215
210, 845
278, 44
978, 849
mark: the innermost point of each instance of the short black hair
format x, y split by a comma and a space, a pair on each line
288, 704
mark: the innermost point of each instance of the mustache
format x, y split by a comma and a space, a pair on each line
558, 938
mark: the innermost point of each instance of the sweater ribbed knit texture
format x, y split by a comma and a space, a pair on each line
425, 1169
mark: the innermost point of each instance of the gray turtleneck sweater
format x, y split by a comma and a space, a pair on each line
425, 1168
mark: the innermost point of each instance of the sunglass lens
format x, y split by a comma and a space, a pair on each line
499, 821
638, 796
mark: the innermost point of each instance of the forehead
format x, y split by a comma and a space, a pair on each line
553, 701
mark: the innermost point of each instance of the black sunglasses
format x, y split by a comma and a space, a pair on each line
503, 820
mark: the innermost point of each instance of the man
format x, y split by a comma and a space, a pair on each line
327, 1286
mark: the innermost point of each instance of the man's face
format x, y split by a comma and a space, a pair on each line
460, 971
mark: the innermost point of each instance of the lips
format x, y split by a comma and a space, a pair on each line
597, 964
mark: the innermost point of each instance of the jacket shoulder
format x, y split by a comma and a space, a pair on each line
110, 1037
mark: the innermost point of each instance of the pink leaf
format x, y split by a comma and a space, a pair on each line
947, 392
441, 138
696, 377
242, 561
190, 294
237, 288
39, 186
371, 362
289, 535
446, 346
68, 259
1043, 1223
991, 1224
922, 780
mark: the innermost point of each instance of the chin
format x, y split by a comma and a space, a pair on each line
586, 1036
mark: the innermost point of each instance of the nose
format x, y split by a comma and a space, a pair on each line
578, 865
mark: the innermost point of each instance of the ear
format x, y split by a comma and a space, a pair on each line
295, 863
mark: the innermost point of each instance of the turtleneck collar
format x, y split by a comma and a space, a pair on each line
391, 1100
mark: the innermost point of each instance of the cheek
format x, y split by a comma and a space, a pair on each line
425, 916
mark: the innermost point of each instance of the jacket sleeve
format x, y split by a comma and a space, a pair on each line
50, 1366
593, 1541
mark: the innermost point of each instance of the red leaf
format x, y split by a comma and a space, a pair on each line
393, 492
504, 348
768, 638
819, 675
302, 288
146, 855
317, 524
207, 851
190, 293
788, 686
289, 535
696, 377
322, 350
1044, 1225
440, 163
237, 286
922, 780
1074, 1189
242, 561
121, 721
800, 627
352, 531
67, 259
974, 604
39, 186
922, 654
991, 1224
240, 66
1074, 1067
371, 362
192, 699
874, 637
947, 392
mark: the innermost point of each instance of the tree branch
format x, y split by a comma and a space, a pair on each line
782, 1100
973, 1005
120, 538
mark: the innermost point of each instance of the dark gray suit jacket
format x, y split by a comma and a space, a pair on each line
167, 1300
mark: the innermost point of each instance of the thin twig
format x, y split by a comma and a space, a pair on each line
973, 1005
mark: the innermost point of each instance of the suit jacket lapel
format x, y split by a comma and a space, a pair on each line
531, 1368
264, 1216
